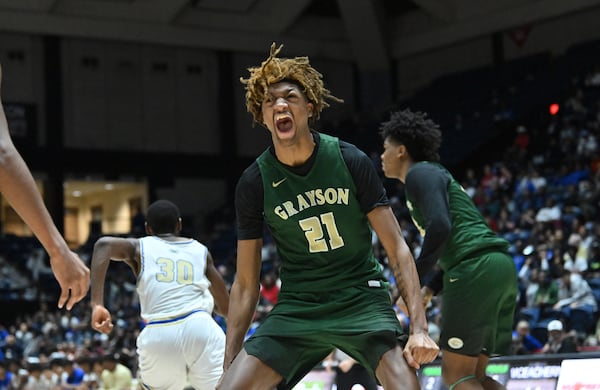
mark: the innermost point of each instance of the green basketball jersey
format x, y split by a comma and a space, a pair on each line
322, 236
470, 234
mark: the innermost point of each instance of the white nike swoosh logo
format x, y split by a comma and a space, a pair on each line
277, 183
452, 280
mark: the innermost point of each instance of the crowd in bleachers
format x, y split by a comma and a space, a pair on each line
541, 193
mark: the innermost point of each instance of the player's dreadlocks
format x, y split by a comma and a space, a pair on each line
296, 70
419, 134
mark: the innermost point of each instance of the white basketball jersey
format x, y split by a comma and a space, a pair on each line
172, 280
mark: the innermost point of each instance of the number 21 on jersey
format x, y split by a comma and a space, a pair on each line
315, 235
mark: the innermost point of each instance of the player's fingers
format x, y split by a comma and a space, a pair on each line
64, 296
107, 329
78, 291
423, 355
103, 326
408, 356
75, 296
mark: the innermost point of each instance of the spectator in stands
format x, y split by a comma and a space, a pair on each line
550, 213
546, 295
531, 284
527, 220
11, 349
57, 368
558, 340
523, 342
97, 370
37, 378
522, 141
575, 106
115, 375
90, 379
575, 292
75, 374
524, 187
18, 187
269, 287
6, 377
582, 250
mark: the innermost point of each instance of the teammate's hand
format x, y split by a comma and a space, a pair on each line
420, 349
101, 320
73, 277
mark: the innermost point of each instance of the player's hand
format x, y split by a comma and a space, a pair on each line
420, 349
101, 320
73, 277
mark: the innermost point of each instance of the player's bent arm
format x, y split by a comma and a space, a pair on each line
105, 250
244, 296
217, 287
401, 261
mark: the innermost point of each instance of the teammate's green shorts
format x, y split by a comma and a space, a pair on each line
303, 328
478, 303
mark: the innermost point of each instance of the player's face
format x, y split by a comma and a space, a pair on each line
390, 162
285, 112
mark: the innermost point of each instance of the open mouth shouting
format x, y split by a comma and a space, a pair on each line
284, 124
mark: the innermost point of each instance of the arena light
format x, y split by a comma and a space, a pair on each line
554, 108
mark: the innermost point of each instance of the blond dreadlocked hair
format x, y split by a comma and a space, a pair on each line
296, 70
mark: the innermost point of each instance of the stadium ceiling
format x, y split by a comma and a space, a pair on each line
366, 31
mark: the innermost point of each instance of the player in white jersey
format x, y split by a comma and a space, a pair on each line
178, 286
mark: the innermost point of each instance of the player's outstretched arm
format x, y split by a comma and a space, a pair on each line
19, 188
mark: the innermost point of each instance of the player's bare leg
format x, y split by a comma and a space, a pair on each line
487, 382
247, 372
394, 373
459, 372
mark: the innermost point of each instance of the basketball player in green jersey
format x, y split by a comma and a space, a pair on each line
478, 277
318, 196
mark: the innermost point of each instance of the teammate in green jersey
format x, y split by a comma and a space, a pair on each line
319, 198
478, 276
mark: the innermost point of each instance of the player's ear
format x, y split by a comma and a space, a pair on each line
310, 108
148, 229
402, 151
179, 225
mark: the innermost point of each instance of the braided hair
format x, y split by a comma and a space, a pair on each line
295, 70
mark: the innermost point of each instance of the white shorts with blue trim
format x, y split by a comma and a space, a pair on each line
184, 351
